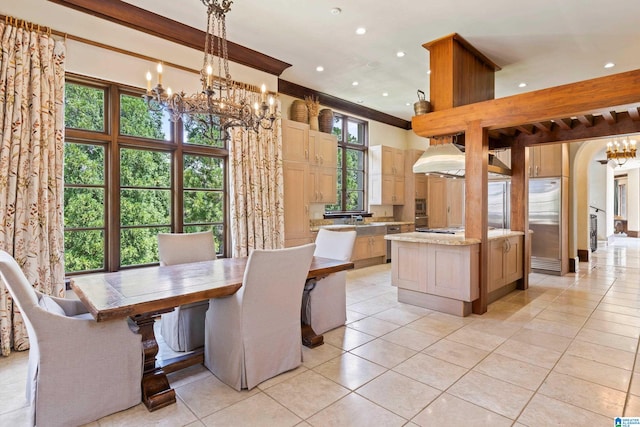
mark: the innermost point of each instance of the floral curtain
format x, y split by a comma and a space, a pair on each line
31, 167
256, 189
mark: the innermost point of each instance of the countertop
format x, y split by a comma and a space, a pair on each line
458, 239
353, 227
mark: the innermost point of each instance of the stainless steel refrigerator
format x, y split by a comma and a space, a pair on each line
499, 204
545, 212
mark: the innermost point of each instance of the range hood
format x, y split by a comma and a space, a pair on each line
448, 159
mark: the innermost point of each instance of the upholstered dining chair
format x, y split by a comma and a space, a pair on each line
255, 334
79, 370
183, 328
324, 301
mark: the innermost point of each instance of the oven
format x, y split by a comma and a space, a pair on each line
391, 229
422, 220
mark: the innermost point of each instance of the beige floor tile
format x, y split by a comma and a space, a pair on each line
282, 377
635, 384
346, 338
139, 416
448, 410
607, 339
455, 352
307, 393
431, 371
399, 394
562, 317
477, 339
624, 319
620, 304
513, 371
584, 394
350, 370
259, 409
355, 411
208, 395
538, 356
384, 353
354, 316
602, 354
632, 408
542, 339
188, 375
373, 305
599, 373
373, 326
614, 328
553, 327
312, 357
398, 315
410, 338
504, 329
545, 411
434, 326
491, 393
570, 309
17, 418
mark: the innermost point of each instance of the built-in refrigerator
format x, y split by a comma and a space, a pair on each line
545, 213
499, 204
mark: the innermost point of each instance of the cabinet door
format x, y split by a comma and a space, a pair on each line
296, 200
295, 141
455, 203
408, 269
326, 185
513, 259
437, 205
361, 248
378, 246
398, 190
398, 161
323, 149
388, 158
496, 264
421, 186
549, 160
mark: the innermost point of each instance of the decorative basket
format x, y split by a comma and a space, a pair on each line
299, 111
325, 120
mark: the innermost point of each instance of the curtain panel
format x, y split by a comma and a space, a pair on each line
256, 188
31, 167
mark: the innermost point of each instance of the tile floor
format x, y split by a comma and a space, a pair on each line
563, 352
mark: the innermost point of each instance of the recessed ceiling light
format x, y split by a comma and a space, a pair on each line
400, 54
359, 101
408, 104
354, 84
385, 94
609, 65
360, 31
336, 11
319, 68
523, 84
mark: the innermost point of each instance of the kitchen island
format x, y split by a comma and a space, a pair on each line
441, 271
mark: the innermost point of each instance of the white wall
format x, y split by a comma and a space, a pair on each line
597, 188
633, 200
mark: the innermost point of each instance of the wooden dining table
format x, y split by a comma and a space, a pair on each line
143, 294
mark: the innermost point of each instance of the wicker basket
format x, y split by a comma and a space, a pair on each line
325, 120
299, 111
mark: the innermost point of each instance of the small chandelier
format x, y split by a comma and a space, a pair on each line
621, 152
223, 103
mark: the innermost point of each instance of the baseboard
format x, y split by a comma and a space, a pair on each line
583, 255
632, 233
574, 264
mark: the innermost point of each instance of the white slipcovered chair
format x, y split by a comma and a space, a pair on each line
79, 370
255, 334
183, 328
325, 301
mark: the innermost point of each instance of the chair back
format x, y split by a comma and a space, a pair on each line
272, 287
182, 248
19, 287
335, 244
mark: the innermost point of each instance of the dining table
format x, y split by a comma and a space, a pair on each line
143, 294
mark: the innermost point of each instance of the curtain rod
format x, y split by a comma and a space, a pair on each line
50, 31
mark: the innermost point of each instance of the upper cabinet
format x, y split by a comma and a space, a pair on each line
548, 161
386, 175
446, 202
295, 141
323, 149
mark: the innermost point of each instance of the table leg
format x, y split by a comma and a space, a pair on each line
156, 391
310, 338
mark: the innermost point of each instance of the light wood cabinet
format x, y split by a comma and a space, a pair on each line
295, 141
548, 161
505, 261
323, 149
323, 158
386, 175
296, 201
369, 247
420, 183
323, 187
407, 228
446, 202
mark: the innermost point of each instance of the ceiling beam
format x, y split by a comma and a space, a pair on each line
633, 113
610, 117
562, 123
600, 128
543, 127
586, 120
140, 19
617, 92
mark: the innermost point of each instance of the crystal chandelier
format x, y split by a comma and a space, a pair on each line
223, 103
621, 152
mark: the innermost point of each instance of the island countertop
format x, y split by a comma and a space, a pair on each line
457, 239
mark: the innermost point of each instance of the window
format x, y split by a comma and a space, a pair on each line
132, 175
352, 156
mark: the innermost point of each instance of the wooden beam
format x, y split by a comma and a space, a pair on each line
617, 92
140, 19
610, 117
298, 91
520, 203
543, 127
586, 120
562, 124
633, 113
600, 128
526, 129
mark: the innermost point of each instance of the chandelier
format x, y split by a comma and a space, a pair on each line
223, 103
621, 152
